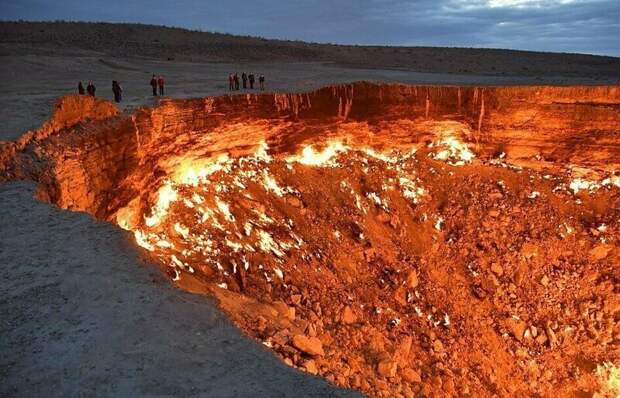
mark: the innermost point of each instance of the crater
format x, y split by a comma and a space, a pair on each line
397, 240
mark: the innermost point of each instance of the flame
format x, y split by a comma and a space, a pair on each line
451, 149
310, 157
165, 195
204, 229
410, 190
195, 171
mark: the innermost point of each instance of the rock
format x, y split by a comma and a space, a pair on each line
296, 299
411, 376
400, 295
383, 217
412, 279
403, 349
497, 269
284, 310
309, 345
516, 327
293, 201
310, 366
494, 213
544, 280
541, 339
348, 317
394, 221
311, 330
261, 323
387, 368
529, 250
437, 346
553, 340
600, 252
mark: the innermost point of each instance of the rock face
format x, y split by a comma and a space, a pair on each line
88, 157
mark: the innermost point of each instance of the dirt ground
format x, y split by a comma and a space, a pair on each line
82, 313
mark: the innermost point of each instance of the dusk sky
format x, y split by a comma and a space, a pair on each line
587, 26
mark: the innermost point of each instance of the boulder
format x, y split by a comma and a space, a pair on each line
309, 345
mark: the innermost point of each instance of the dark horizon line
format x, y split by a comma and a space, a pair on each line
301, 41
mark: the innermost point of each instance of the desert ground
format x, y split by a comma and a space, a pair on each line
83, 312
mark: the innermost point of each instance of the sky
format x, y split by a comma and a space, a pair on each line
584, 26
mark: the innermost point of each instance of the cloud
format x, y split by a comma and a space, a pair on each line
589, 26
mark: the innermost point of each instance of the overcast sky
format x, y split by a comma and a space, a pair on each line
587, 26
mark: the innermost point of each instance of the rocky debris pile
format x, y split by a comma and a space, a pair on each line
401, 274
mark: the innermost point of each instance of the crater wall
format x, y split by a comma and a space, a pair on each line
90, 157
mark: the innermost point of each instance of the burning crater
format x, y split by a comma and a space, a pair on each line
398, 240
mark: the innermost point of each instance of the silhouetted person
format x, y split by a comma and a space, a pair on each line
154, 85
261, 82
117, 90
236, 77
160, 83
244, 77
81, 90
91, 89
231, 82
251, 80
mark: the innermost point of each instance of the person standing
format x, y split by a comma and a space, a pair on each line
91, 89
251, 80
160, 83
236, 77
261, 82
244, 77
154, 85
231, 82
81, 88
117, 90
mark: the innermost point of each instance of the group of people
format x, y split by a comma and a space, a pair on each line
157, 82
247, 80
158, 85
90, 88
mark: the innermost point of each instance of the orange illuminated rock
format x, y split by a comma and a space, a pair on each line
412, 279
309, 345
600, 252
348, 316
310, 366
516, 327
387, 368
411, 375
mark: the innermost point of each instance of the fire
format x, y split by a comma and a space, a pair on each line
165, 195
324, 158
196, 216
193, 171
450, 148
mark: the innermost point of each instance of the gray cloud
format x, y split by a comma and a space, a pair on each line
587, 26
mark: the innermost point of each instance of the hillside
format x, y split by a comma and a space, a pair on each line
175, 44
